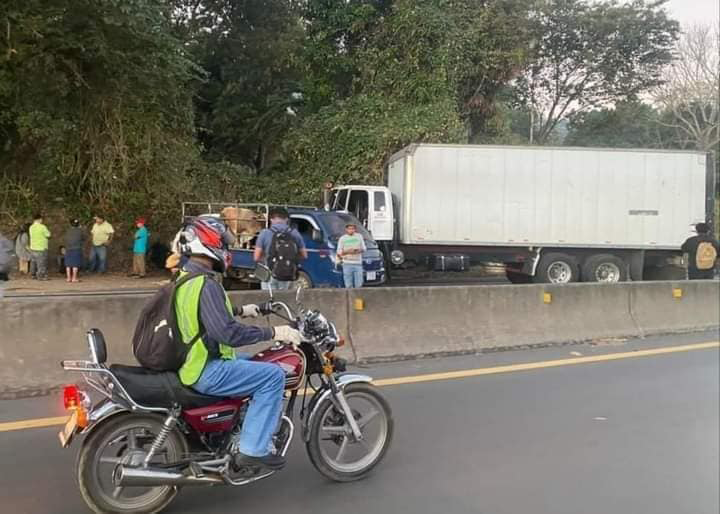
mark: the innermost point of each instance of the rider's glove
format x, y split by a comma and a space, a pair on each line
248, 311
288, 334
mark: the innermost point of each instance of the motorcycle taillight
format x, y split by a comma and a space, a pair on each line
71, 397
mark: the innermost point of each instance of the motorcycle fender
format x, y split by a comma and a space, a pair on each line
342, 381
104, 410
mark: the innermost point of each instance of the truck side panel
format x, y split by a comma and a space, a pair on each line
396, 184
486, 195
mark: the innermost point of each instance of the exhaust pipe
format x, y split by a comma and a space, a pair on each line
151, 477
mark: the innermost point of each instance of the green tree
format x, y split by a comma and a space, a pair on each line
95, 104
589, 54
627, 125
438, 85
250, 96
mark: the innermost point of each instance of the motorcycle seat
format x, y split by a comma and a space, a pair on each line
159, 388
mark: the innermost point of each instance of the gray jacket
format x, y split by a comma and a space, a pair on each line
6, 254
22, 246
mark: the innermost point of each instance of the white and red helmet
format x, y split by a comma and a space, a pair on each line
208, 236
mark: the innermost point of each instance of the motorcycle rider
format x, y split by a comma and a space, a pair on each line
211, 366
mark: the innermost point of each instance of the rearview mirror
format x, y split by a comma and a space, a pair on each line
262, 272
317, 236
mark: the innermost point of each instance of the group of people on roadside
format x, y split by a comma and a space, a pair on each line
32, 243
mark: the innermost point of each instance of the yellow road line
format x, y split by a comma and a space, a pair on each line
450, 375
33, 423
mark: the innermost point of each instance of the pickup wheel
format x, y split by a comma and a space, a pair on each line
303, 281
557, 268
604, 268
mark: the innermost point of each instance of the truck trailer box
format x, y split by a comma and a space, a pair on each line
548, 196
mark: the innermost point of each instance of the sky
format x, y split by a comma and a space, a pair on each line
694, 11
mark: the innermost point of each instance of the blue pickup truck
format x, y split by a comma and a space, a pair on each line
320, 230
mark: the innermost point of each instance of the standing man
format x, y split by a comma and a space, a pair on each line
281, 248
349, 250
102, 234
39, 237
702, 251
140, 248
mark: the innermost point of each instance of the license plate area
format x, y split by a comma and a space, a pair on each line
370, 275
67, 434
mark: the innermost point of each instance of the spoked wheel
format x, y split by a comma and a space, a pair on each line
125, 440
333, 449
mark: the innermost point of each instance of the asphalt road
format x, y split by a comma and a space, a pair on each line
632, 435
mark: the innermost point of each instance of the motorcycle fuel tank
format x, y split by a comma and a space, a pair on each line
290, 360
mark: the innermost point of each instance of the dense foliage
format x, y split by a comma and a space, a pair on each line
131, 106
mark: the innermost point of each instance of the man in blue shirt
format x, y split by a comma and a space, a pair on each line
140, 248
278, 223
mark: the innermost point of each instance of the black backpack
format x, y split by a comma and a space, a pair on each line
284, 255
157, 344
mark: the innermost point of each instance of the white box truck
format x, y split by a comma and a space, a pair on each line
550, 214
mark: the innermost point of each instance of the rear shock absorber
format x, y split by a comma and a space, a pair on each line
160, 439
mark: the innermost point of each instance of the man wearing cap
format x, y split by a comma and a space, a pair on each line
140, 247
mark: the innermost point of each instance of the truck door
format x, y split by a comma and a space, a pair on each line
318, 266
359, 205
380, 223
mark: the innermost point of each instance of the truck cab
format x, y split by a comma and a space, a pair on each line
320, 230
371, 205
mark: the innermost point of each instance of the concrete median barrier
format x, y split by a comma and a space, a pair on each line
36, 333
424, 321
662, 307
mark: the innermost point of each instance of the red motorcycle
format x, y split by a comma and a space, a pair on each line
149, 435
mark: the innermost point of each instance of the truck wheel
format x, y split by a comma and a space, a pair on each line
557, 268
604, 268
303, 281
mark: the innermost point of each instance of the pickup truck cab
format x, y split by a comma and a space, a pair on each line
320, 230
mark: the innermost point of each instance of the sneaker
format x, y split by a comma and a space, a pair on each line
269, 461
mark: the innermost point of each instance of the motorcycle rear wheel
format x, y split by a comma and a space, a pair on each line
332, 447
122, 435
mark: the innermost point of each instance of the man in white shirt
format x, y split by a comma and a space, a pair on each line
349, 250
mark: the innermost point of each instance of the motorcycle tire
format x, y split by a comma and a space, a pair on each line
333, 469
101, 438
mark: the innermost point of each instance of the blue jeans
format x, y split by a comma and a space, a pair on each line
98, 259
277, 285
264, 382
353, 275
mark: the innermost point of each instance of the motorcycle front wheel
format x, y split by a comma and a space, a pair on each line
125, 439
333, 449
